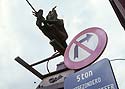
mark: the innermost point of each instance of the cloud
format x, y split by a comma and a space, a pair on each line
119, 74
20, 37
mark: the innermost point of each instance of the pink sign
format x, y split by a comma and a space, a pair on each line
85, 48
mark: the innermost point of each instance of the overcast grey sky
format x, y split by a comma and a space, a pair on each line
19, 36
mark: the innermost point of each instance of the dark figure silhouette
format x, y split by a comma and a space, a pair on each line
52, 27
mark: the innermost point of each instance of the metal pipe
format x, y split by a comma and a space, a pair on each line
45, 60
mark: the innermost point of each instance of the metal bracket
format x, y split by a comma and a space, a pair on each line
30, 67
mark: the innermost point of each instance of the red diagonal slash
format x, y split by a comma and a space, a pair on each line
87, 38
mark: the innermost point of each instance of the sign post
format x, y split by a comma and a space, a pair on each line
85, 48
96, 76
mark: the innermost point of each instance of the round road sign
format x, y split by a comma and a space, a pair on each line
85, 48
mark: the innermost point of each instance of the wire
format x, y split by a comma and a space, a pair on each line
117, 60
47, 66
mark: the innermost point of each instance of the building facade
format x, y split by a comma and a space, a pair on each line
119, 8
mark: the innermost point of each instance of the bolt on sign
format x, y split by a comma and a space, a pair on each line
85, 48
96, 76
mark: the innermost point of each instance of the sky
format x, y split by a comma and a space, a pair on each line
19, 36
